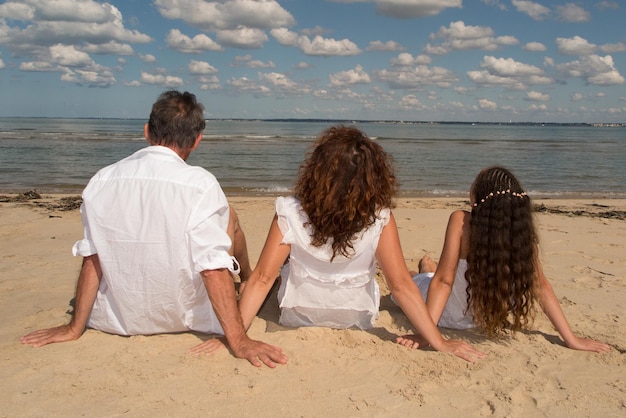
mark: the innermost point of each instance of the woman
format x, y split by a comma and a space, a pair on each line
335, 230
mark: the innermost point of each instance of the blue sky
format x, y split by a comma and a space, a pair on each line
446, 60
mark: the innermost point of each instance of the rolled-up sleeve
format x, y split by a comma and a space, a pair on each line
208, 237
85, 247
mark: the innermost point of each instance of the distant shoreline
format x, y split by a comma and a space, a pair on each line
362, 121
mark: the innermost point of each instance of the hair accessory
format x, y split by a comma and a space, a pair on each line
501, 192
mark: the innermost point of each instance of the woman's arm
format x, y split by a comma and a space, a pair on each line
550, 305
407, 295
441, 283
267, 269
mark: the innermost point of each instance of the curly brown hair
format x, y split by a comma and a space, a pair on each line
501, 272
343, 183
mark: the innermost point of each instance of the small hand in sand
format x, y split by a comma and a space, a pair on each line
587, 344
414, 341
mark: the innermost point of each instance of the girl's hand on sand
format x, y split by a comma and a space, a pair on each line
586, 344
50, 335
412, 341
462, 349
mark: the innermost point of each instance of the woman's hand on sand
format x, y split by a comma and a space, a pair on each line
586, 344
209, 346
458, 348
51, 335
256, 352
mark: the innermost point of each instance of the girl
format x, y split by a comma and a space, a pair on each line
489, 274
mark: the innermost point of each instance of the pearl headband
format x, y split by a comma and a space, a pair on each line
503, 192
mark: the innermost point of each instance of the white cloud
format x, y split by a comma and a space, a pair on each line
407, 60
575, 46
572, 13
536, 96
535, 10
247, 61
283, 84
209, 83
302, 65
459, 37
411, 102
607, 5
593, 69
537, 108
612, 48
246, 38
384, 46
509, 67
67, 55
350, 77
177, 40
161, 79
226, 14
64, 22
409, 9
37, 66
534, 47
148, 58
201, 67
507, 73
109, 48
17, 10
486, 104
317, 46
418, 76
246, 85
495, 3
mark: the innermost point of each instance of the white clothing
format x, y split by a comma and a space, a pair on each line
317, 292
155, 223
454, 314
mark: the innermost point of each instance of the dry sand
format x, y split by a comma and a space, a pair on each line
343, 373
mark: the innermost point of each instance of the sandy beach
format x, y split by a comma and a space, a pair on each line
342, 373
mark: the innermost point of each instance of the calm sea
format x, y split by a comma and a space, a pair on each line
262, 157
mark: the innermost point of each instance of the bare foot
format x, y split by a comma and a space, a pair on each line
427, 264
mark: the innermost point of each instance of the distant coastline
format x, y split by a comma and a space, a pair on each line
403, 122
365, 121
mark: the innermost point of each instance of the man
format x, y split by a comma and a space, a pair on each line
157, 253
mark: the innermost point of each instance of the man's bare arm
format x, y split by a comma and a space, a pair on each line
221, 290
86, 291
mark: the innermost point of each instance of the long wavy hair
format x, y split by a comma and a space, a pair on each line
343, 183
502, 271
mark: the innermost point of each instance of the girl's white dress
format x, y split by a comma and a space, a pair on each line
455, 313
317, 292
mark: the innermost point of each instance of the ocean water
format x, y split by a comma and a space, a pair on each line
262, 157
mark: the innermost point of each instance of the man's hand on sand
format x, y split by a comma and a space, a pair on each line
50, 335
256, 352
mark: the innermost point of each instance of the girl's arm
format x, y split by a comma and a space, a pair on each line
267, 269
407, 295
550, 305
441, 283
